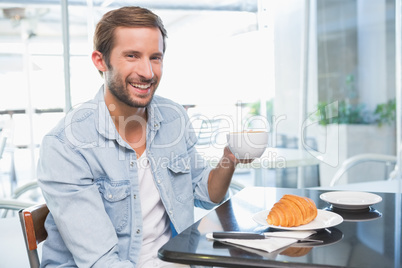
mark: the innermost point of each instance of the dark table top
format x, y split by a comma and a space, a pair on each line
368, 238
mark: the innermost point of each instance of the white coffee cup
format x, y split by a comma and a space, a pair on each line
247, 144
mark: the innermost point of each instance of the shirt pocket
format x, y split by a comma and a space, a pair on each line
115, 195
180, 176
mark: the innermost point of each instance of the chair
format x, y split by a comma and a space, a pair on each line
13, 203
388, 160
235, 187
3, 143
207, 130
33, 228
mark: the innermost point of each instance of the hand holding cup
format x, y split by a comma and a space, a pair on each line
247, 144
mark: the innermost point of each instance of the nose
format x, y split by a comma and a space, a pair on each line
144, 69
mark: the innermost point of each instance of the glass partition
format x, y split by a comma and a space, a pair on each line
398, 63
322, 73
350, 95
212, 65
326, 75
31, 74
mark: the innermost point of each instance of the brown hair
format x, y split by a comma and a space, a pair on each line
131, 17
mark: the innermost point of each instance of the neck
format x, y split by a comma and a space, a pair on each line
129, 121
120, 111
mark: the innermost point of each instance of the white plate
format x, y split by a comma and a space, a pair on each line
351, 200
324, 219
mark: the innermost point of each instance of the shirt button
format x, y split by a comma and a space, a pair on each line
159, 181
135, 196
138, 231
156, 125
110, 196
131, 164
171, 212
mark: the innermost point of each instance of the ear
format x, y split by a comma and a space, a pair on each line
97, 59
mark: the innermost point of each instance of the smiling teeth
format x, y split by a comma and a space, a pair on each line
141, 86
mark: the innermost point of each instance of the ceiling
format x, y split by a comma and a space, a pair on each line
43, 17
230, 5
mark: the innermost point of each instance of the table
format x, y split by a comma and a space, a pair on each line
270, 159
362, 242
383, 186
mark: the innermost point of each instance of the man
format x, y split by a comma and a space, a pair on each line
120, 174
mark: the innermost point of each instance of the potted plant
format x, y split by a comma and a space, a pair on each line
347, 130
385, 113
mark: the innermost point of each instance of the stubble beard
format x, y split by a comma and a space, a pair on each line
119, 90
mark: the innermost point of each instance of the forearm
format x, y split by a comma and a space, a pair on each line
221, 176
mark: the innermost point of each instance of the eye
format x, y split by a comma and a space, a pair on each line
132, 55
157, 58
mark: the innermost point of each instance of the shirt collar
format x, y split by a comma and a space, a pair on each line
155, 116
105, 125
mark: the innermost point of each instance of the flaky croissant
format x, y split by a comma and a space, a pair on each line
292, 211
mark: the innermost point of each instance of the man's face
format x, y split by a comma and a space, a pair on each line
136, 62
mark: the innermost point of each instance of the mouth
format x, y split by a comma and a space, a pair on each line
141, 87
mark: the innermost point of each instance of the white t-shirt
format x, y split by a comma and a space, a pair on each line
156, 224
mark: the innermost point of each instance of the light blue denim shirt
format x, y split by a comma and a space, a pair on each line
88, 176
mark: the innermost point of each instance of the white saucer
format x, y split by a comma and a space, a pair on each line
324, 219
351, 200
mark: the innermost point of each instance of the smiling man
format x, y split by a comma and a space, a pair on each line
132, 75
121, 174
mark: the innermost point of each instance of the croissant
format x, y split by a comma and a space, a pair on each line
292, 211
